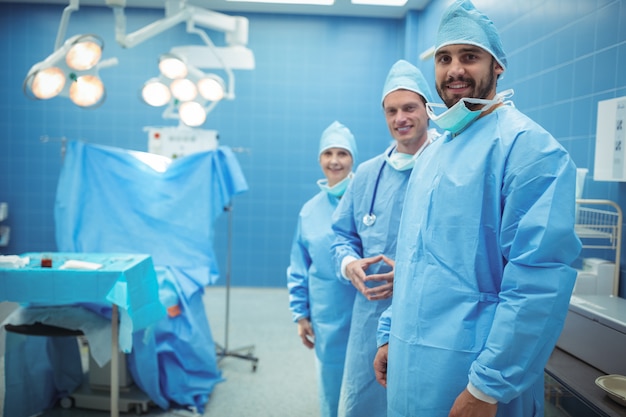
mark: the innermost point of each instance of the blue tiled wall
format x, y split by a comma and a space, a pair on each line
564, 56
309, 72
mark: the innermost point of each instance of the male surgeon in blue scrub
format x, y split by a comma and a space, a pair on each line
482, 276
321, 305
366, 224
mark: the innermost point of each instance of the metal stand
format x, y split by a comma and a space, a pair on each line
245, 352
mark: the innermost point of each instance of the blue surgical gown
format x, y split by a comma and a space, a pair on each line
315, 292
361, 395
482, 281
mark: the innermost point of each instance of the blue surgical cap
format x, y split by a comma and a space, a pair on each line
338, 136
463, 24
406, 76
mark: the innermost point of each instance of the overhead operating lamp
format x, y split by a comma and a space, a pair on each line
190, 97
172, 66
71, 70
190, 92
235, 55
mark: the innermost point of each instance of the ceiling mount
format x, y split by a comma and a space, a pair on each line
339, 8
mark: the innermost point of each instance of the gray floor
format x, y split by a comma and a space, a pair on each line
283, 384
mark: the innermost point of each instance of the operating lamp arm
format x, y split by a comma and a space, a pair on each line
65, 19
428, 53
133, 39
229, 94
235, 28
110, 62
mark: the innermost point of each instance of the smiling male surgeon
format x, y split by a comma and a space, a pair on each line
366, 226
482, 276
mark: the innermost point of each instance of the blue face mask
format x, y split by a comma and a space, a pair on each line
338, 189
458, 117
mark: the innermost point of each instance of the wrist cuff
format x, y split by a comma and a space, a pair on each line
480, 395
344, 263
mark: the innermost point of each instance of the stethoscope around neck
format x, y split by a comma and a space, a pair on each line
370, 218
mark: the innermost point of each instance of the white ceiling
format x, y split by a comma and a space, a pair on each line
340, 8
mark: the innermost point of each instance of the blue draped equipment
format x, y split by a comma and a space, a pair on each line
110, 200
115, 200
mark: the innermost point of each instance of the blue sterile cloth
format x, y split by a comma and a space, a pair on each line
111, 199
39, 370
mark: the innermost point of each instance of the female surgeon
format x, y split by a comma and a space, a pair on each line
320, 303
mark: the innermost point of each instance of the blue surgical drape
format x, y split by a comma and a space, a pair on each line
110, 200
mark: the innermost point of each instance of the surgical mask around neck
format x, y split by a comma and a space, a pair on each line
338, 189
401, 161
458, 117
405, 161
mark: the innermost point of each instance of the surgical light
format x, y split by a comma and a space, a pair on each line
189, 99
156, 93
47, 83
211, 87
85, 53
192, 113
188, 93
70, 71
87, 91
172, 67
184, 89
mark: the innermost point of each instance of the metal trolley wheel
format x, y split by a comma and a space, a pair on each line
66, 402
